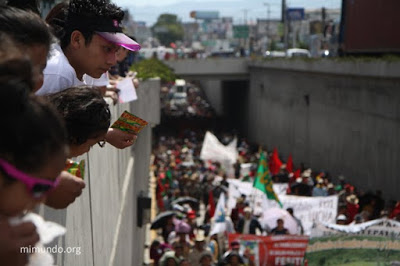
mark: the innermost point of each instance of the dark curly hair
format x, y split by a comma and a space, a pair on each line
65, 20
24, 27
85, 112
33, 132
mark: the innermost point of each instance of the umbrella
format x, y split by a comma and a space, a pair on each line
161, 219
191, 201
271, 215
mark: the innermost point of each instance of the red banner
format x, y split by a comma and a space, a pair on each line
274, 250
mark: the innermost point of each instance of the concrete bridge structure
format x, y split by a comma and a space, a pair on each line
338, 115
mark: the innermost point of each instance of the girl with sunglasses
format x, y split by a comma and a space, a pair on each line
32, 155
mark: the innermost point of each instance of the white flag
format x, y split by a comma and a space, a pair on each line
219, 225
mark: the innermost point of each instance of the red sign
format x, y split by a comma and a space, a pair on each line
276, 250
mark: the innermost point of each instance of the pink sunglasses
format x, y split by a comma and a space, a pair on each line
36, 186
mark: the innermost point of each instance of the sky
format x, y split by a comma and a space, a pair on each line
149, 10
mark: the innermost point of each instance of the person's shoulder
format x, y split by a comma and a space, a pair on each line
58, 64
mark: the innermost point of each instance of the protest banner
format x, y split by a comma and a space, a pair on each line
272, 250
310, 210
214, 150
379, 227
376, 242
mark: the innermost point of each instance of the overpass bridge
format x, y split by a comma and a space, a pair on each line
341, 115
211, 68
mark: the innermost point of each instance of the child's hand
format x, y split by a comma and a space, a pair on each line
13, 238
69, 188
120, 139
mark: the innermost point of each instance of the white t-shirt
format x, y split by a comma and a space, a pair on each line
100, 82
58, 74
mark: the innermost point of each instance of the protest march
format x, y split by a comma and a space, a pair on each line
223, 201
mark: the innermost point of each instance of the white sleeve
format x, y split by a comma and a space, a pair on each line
53, 84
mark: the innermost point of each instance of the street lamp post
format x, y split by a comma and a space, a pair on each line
268, 19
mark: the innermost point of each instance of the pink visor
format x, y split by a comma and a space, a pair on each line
120, 39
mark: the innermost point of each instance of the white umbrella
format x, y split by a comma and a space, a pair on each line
271, 215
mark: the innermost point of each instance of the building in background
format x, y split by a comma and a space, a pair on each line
267, 33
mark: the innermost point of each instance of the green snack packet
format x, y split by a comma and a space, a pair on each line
129, 123
75, 168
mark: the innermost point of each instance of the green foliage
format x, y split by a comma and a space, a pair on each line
168, 29
303, 45
351, 257
152, 68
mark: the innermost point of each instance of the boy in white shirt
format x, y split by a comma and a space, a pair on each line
89, 32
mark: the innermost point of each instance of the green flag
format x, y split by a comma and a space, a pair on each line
263, 180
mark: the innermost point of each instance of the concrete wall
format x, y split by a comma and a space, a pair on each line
339, 116
102, 221
210, 68
213, 92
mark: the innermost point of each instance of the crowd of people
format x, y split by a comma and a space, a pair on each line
181, 174
53, 83
192, 104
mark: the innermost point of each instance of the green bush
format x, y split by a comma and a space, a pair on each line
152, 68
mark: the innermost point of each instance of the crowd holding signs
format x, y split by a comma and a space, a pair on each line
268, 214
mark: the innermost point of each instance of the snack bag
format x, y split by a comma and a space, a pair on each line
75, 168
129, 123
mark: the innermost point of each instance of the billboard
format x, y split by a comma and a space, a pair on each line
293, 14
204, 15
241, 31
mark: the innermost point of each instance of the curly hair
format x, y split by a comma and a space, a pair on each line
85, 113
80, 10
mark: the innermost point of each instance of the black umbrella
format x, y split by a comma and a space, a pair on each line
183, 200
161, 219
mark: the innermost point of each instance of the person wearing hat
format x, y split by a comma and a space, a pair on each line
169, 259
352, 207
182, 230
90, 34
248, 224
319, 190
341, 219
199, 248
191, 220
176, 254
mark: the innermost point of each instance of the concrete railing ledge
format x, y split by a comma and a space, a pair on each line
377, 69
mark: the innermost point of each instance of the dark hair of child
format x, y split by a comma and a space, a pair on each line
85, 113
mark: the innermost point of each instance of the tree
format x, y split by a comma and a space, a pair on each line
168, 29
